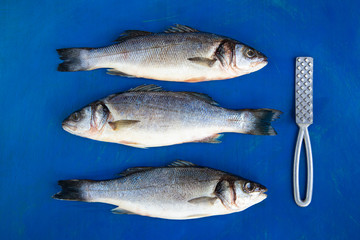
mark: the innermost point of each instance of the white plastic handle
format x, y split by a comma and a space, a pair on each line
303, 135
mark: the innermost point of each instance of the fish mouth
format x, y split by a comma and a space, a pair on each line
260, 64
260, 188
67, 127
263, 191
262, 59
265, 60
261, 56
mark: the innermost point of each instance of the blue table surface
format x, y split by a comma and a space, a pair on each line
35, 152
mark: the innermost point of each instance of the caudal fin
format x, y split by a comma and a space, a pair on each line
71, 190
261, 124
74, 59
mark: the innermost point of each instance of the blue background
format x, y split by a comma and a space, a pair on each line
35, 152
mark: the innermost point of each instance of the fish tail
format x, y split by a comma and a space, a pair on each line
261, 121
72, 190
75, 59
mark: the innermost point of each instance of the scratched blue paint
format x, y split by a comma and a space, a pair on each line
35, 152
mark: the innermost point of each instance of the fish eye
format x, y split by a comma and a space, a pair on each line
250, 53
76, 116
249, 187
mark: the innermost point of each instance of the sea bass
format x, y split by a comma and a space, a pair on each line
181, 54
181, 190
148, 116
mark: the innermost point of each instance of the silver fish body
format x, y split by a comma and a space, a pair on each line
148, 116
180, 54
181, 190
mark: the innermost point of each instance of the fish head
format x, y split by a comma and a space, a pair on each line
248, 60
248, 193
88, 121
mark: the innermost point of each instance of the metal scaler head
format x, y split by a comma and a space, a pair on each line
304, 118
304, 90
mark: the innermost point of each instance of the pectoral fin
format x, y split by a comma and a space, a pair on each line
207, 62
203, 200
122, 124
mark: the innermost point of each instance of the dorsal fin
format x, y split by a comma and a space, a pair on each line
133, 170
131, 34
146, 88
203, 97
178, 28
181, 163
